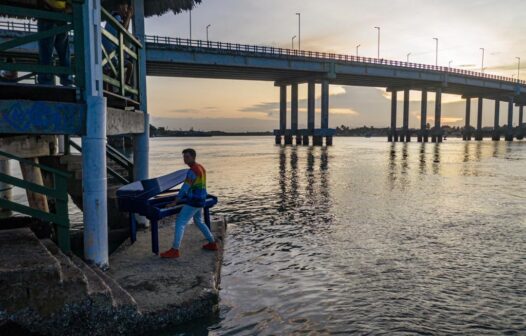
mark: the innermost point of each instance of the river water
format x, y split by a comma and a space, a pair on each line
365, 237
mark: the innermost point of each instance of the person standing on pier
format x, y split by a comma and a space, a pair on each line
193, 195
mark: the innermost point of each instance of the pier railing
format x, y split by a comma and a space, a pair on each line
265, 50
59, 193
63, 22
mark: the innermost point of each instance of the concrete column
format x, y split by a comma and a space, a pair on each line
467, 119
520, 136
282, 109
393, 137
34, 175
422, 136
324, 110
94, 179
311, 107
305, 140
294, 112
405, 133
496, 126
141, 142
437, 134
509, 131
6, 190
478, 132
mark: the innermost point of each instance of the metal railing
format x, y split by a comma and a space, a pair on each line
273, 51
63, 23
59, 192
114, 156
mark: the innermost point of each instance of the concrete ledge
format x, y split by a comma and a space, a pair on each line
30, 146
124, 122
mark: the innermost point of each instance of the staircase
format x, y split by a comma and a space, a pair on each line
68, 297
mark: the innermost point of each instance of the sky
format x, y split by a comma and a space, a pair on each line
407, 26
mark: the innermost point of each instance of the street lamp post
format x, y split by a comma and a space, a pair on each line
518, 68
357, 48
207, 32
293, 38
299, 30
378, 28
408, 54
436, 51
449, 64
190, 11
482, 65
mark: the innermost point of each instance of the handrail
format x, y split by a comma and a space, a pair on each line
59, 192
266, 50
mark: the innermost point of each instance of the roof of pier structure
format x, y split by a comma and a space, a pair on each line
159, 7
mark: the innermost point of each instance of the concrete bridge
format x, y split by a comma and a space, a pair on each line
177, 57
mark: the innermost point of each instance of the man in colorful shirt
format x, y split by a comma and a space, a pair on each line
193, 194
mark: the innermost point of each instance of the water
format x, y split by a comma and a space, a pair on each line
365, 237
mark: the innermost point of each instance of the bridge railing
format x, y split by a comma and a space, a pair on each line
246, 48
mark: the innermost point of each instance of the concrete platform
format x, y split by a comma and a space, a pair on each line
173, 291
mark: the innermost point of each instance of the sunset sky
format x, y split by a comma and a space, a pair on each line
408, 26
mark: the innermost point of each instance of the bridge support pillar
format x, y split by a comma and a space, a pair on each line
393, 137
467, 119
305, 140
405, 133
282, 114
328, 141
288, 139
496, 128
325, 109
294, 112
478, 132
311, 106
520, 135
317, 140
278, 139
437, 132
422, 135
299, 139
509, 131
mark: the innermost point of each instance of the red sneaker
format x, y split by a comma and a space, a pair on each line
170, 254
211, 246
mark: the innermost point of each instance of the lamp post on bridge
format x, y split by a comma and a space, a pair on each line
207, 27
293, 38
408, 54
357, 48
378, 28
482, 65
449, 64
190, 12
436, 51
299, 30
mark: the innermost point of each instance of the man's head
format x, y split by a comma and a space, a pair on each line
189, 155
122, 7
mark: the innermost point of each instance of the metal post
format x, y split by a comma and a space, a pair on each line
423, 118
437, 134
294, 111
392, 134
467, 120
405, 133
299, 30
496, 131
478, 133
509, 132
94, 181
325, 107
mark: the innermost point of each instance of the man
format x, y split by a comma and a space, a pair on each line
193, 194
59, 42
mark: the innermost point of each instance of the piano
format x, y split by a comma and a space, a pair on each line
153, 198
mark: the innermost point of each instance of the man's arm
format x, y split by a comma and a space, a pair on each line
188, 182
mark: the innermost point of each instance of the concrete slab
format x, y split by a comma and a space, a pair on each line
169, 292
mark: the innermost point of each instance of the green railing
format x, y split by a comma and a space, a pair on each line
115, 156
65, 22
120, 52
59, 192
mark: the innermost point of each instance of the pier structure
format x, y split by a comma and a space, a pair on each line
287, 136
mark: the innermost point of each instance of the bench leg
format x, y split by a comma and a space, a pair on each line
207, 217
155, 237
133, 228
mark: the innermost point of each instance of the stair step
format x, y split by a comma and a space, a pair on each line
73, 280
121, 298
98, 290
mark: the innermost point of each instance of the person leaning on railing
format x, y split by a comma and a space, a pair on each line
58, 43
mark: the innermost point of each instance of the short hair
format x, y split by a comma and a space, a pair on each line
190, 151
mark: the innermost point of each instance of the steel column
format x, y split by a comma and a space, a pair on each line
478, 133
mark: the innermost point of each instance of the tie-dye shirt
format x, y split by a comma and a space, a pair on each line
193, 192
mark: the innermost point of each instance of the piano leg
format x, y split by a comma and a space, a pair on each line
207, 217
133, 228
155, 237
